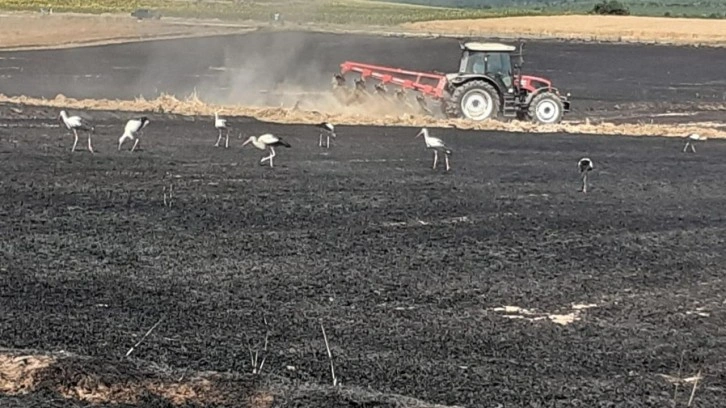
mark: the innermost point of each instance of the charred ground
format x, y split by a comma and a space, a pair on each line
404, 265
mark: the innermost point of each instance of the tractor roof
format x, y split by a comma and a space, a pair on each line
496, 47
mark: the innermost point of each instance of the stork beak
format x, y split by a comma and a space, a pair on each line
420, 132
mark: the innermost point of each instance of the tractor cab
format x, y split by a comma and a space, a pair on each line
490, 59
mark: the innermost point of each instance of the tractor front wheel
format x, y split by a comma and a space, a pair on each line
546, 108
475, 100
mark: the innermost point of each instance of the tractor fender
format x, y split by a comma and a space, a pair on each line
538, 91
459, 80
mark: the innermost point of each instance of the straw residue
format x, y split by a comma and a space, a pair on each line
360, 115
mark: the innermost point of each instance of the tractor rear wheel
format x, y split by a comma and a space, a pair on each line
546, 108
475, 100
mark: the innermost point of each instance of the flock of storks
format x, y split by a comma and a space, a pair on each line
134, 130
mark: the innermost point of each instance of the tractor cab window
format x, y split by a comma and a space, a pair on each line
499, 64
476, 63
495, 64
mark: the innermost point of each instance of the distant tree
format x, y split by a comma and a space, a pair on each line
612, 7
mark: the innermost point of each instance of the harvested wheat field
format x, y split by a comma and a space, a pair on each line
660, 30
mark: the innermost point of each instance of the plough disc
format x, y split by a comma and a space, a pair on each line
359, 94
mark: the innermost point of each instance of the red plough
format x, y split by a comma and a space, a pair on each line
433, 86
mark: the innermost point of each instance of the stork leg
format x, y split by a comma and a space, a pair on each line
226, 140
584, 183
693, 147
135, 143
446, 157
327, 145
219, 139
320, 140
436, 158
73, 149
90, 148
686, 147
123, 139
272, 149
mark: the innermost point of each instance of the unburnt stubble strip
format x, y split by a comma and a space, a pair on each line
193, 106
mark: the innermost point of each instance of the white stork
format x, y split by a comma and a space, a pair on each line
329, 130
585, 166
221, 124
690, 141
134, 127
436, 145
263, 142
76, 123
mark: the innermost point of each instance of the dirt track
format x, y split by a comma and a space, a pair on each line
615, 82
407, 267
34, 30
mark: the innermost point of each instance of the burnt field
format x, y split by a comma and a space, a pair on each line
617, 82
406, 267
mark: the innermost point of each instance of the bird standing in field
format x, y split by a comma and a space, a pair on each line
265, 141
134, 129
76, 123
436, 145
690, 141
585, 166
329, 131
221, 124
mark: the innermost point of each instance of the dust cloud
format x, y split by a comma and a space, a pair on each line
262, 71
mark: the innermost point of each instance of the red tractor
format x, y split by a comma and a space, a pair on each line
487, 86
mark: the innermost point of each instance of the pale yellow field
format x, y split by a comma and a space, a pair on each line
31, 30
607, 28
